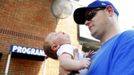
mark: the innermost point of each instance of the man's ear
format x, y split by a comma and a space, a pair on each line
55, 47
110, 10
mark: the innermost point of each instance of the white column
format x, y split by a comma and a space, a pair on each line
8, 64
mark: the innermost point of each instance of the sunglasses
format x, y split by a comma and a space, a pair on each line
91, 13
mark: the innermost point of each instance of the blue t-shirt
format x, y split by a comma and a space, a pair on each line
115, 56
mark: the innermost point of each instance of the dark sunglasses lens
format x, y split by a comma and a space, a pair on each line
89, 15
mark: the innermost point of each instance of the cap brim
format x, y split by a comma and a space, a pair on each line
79, 15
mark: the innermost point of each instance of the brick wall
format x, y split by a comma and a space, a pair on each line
24, 22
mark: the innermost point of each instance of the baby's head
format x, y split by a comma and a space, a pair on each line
53, 41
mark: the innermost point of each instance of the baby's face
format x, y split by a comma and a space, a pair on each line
60, 38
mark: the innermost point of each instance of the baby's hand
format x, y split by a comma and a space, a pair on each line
85, 63
89, 54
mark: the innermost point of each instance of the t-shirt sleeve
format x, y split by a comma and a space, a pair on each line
65, 49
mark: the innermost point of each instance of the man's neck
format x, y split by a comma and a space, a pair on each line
109, 35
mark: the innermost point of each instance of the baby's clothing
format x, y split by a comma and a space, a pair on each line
68, 48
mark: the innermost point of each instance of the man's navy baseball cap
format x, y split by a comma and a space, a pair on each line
79, 13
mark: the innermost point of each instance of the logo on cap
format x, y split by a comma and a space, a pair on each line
103, 4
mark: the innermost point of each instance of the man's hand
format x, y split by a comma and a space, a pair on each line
85, 63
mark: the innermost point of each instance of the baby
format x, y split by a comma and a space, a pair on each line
57, 45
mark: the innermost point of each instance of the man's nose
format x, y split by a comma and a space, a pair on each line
87, 23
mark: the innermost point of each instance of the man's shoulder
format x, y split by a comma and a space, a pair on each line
123, 38
126, 38
127, 34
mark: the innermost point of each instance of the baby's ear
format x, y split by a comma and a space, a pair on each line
55, 47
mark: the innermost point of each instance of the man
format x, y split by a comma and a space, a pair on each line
115, 55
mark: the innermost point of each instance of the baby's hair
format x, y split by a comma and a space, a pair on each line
47, 47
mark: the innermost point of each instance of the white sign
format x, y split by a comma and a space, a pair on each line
27, 50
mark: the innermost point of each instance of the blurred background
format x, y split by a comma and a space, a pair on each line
24, 23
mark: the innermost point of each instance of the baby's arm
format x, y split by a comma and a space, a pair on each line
68, 63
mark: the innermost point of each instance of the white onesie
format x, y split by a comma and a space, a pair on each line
68, 48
